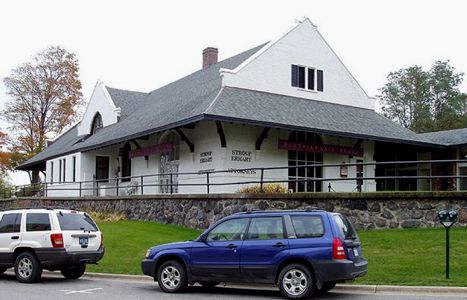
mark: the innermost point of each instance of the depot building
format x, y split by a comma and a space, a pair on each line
288, 102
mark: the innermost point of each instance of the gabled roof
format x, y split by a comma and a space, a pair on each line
452, 138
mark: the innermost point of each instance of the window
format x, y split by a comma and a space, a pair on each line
314, 78
75, 221
345, 227
298, 76
266, 229
64, 170
74, 168
51, 172
126, 162
230, 230
10, 223
308, 226
37, 222
59, 170
96, 123
102, 168
302, 179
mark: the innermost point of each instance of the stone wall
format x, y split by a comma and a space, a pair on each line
366, 210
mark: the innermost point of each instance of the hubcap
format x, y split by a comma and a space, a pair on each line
295, 282
25, 267
170, 277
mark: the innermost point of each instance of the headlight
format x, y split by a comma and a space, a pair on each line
148, 253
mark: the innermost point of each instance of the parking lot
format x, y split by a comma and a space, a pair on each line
52, 287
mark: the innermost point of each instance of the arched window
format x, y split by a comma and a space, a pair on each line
302, 178
96, 123
126, 163
169, 164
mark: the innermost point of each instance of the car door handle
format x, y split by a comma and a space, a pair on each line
231, 246
279, 245
15, 237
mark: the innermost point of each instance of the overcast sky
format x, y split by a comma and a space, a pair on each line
142, 45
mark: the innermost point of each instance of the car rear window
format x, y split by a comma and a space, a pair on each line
38, 222
345, 227
308, 226
76, 221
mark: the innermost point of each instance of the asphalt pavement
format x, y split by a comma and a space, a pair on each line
56, 287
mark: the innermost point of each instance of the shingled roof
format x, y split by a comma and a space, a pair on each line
200, 96
452, 138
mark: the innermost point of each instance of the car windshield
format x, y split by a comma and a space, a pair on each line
346, 228
76, 221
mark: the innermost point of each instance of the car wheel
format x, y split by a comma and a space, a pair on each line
2, 270
27, 268
74, 272
171, 277
208, 284
296, 282
327, 286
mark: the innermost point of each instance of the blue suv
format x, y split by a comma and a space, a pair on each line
303, 252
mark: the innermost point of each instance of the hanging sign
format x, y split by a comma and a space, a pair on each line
154, 149
320, 148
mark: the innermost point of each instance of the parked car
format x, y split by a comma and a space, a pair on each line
303, 252
46, 238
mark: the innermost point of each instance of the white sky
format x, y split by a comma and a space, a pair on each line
142, 45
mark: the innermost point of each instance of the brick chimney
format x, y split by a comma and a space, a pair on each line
209, 56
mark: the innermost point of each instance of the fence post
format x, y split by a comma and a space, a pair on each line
171, 187
117, 186
45, 189
262, 179
80, 189
142, 185
207, 181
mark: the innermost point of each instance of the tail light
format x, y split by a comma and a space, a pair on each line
338, 251
102, 240
57, 240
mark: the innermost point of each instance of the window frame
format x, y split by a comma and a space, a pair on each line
217, 225
42, 213
284, 229
74, 168
317, 82
307, 237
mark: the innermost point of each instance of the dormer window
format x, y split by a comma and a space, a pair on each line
311, 76
96, 123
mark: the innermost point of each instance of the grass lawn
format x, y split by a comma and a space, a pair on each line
396, 256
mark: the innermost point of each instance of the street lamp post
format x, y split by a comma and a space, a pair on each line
447, 218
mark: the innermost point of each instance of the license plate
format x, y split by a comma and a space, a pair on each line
83, 241
355, 251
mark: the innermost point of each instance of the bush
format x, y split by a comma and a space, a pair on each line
268, 188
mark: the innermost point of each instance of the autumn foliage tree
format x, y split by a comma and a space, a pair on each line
45, 95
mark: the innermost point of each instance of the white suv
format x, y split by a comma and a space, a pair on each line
34, 239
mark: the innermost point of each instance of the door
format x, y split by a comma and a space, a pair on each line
217, 258
102, 168
264, 247
80, 233
10, 236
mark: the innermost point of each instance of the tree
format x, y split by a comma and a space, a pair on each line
45, 95
4, 155
425, 101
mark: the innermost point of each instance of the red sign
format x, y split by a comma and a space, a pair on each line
320, 148
154, 149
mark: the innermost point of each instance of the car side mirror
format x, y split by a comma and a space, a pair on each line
203, 238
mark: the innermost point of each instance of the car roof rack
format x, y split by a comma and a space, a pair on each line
275, 211
37, 207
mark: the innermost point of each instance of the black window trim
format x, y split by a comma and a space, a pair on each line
284, 228
308, 215
244, 233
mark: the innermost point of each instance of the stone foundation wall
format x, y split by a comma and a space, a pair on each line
366, 210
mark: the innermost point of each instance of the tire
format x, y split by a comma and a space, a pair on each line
2, 270
327, 286
27, 268
208, 284
171, 277
74, 272
296, 282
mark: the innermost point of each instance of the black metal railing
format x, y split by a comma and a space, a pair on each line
170, 183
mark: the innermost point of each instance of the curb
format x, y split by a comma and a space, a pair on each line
343, 288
